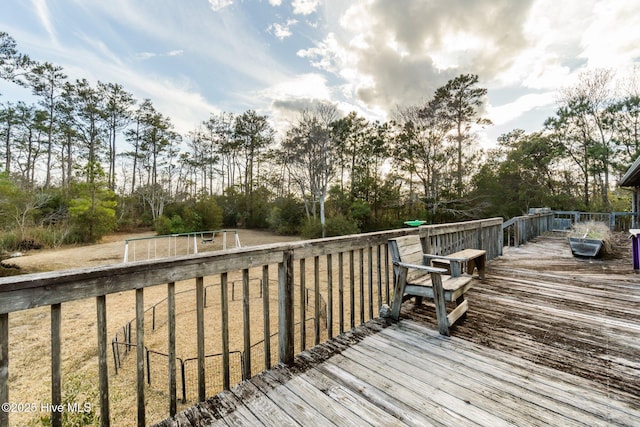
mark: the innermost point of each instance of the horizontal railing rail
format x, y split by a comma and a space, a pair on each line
350, 277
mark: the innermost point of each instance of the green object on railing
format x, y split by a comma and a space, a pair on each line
415, 222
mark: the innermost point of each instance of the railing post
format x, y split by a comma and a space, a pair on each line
4, 366
171, 343
224, 308
140, 355
266, 317
200, 337
103, 370
56, 373
246, 317
285, 309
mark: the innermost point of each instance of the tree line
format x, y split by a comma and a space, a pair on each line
87, 159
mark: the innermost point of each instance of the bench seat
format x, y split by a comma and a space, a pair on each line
453, 287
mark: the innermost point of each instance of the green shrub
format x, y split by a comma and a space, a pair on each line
338, 225
162, 225
177, 225
9, 241
286, 216
91, 224
311, 229
210, 214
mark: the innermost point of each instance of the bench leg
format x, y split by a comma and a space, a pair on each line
441, 308
476, 263
401, 283
480, 263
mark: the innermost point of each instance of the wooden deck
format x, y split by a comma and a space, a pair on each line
548, 340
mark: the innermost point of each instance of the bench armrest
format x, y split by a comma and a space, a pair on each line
448, 258
420, 267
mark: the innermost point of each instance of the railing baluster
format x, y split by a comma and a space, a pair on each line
56, 367
329, 297
246, 321
171, 350
224, 308
370, 279
140, 354
103, 370
387, 273
303, 306
266, 317
341, 290
202, 392
316, 299
379, 271
361, 259
352, 288
4, 366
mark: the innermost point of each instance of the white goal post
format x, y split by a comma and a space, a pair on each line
168, 245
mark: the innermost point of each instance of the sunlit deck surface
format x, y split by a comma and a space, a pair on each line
548, 340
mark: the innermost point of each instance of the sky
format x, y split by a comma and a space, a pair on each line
194, 58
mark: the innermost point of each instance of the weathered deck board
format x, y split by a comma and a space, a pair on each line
548, 340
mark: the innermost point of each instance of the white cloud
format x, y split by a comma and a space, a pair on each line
288, 98
503, 114
306, 86
146, 55
45, 17
304, 7
220, 4
275, 2
390, 54
612, 35
149, 55
282, 31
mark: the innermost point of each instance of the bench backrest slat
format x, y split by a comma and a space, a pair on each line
408, 249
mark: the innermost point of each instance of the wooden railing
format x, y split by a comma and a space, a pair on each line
521, 229
356, 280
617, 221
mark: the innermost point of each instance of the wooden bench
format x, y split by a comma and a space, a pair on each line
416, 277
468, 260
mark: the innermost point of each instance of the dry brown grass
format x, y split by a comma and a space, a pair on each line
30, 343
593, 230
